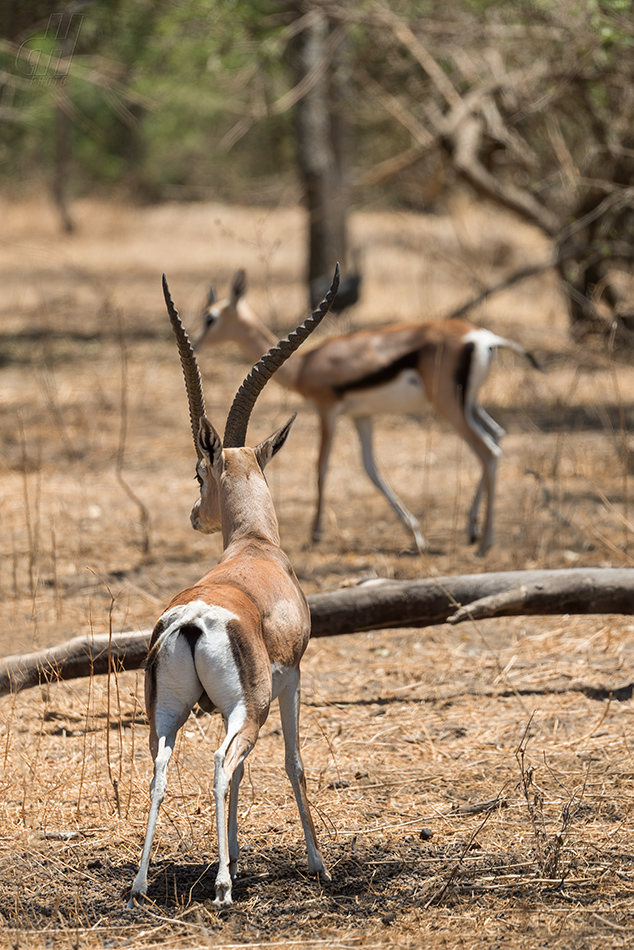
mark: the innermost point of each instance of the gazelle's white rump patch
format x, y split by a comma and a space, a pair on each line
211, 659
485, 337
485, 344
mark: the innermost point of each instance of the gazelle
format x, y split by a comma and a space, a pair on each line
233, 641
389, 370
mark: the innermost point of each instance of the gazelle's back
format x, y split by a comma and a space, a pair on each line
280, 602
343, 360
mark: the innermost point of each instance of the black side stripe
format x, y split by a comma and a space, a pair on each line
463, 368
381, 376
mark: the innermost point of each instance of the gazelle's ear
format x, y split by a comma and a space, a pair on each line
265, 451
238, 287
209, 442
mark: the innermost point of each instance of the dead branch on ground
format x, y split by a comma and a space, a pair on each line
372, 605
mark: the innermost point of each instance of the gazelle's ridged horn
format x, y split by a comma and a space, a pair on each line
193, 382
242, 407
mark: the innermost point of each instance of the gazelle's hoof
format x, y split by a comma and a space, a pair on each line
223, 895
316, 866
135, 898
419, 541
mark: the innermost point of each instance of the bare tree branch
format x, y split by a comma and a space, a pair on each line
464, 139
411, 42
392, 166
398, 111
515, 278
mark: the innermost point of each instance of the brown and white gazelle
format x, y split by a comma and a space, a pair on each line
390, 371
233, 641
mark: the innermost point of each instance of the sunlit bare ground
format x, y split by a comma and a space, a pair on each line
401, 730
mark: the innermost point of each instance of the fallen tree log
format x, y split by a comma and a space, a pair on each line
372, 605
383, 603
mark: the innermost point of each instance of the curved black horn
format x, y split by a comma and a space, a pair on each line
193, 382
240, 412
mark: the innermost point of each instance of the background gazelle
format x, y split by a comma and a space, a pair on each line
389, 370
233, 641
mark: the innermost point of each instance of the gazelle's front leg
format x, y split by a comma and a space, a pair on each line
327, 419
289, 700
364, 431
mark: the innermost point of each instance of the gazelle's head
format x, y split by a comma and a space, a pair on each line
232, 472
219, 318
229, 458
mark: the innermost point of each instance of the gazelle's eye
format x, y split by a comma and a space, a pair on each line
198, 477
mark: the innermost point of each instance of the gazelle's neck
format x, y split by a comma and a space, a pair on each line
255, 339
246, 506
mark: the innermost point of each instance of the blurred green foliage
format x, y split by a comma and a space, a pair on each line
191, 98
151, 89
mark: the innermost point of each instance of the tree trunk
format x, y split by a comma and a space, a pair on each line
67, 26
320, 137
373, 605
61, 166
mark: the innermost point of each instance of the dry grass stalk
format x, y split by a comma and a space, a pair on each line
549, 848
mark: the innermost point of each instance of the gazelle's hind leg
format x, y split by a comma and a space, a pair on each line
482, 435
234, 847
489, 425
480, 431
157, 794
228, 770
364, 431
486, 485
487, 479
289, 700
167, 711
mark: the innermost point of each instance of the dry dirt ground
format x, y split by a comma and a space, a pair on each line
405, 733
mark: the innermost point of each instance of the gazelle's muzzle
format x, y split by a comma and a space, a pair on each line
198, 524
210, 319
